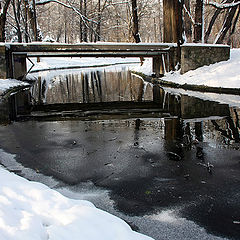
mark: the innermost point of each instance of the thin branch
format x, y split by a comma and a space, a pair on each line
189, 14
5, 7
21, 28
222, 5
84, 18
12, 25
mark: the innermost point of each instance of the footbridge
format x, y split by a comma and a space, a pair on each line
13, 56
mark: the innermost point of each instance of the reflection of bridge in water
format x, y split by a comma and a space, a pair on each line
96, 95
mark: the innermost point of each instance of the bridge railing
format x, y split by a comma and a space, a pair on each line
165, 55
16, 54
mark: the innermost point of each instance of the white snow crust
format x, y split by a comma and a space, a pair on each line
6, 84
31, 210
223, 74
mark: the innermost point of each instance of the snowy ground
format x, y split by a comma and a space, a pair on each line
61, 62
223, 74
31, 210
6, 84
231, 100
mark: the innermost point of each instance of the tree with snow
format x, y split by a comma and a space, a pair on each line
4, 5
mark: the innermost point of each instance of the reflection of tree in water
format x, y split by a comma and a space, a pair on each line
225, 130
232, 130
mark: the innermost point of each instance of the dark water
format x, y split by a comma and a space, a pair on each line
151, 149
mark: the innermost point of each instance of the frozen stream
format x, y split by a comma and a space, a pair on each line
171, 173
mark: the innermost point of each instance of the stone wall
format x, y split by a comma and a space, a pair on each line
17, 103
197, 55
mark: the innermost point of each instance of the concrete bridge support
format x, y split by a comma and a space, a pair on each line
12, 65
19, 66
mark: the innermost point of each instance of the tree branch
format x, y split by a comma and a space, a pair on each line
222, 5
84, 18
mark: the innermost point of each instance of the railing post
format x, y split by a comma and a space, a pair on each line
3, 65
19, 66
157, 66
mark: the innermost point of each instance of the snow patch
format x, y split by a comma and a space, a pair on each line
31, 210
53, 63
223, 74
165, 216
6, 84
232, 100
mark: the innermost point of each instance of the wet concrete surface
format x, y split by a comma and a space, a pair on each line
143, 172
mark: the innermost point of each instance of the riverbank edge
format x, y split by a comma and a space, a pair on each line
6, 111
192, 87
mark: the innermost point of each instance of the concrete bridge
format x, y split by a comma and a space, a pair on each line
13, 56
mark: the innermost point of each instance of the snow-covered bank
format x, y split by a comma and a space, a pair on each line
6, 84
30, 210
232, 100
223, 74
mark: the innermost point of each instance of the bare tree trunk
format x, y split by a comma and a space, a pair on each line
187, 22
26, 35
213, 19
135, 27
80, 21
98, 28
198, 21
3, 18
234, 26
30, 12
210, 26
159, 21
34, 22
90, 24
172, 15
65, 26
173, 24
16, 10
227, 24
155, 29
85, 28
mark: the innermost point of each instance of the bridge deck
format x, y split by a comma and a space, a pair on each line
42, 47
91, 50
93, 54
